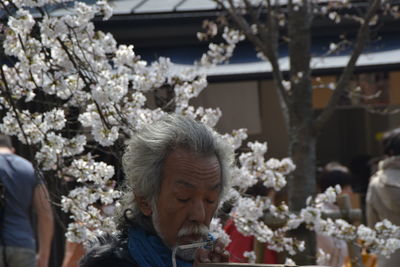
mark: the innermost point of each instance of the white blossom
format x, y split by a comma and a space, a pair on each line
289, 262
218, 232
323, 257
250, 256
98, 94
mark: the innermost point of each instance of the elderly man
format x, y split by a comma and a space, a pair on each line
176, 171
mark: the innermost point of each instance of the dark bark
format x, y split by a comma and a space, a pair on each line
302, 139
302, 184
302, 143
302, 147
307, 257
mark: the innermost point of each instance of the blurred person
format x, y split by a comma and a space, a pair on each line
383, 195
176, 171
335, 166
332, 175
22, 191
360, 168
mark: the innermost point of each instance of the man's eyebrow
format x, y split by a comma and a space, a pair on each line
184, 183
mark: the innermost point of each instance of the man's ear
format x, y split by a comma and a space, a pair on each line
144, 205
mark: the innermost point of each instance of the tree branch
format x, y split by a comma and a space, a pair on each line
344, 79
84, 78
265, 44
272, 46
15, 109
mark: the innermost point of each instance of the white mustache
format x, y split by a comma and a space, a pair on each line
196, 229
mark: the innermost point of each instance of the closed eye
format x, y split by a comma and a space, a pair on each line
209, 201
183, 200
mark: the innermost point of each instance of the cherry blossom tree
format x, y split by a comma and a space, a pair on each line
71, 93
269, 25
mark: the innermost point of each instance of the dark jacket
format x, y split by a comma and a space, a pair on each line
108, 251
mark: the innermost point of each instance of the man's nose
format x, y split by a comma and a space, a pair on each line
197, 212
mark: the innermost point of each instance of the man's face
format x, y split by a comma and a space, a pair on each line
188, 198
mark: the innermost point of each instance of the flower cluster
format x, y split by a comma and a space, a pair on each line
71, 93
251, 218
217, 231
219, 53
253, 168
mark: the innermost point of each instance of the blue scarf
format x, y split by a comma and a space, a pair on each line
149, 250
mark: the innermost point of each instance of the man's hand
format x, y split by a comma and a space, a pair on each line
216, 254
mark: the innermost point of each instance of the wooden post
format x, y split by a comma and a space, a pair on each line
273, 223
353, 249
259, 249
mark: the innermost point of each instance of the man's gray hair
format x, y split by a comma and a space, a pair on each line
146, 152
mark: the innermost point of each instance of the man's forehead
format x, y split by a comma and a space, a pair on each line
186, 169
181, 152
180, 183
182, 158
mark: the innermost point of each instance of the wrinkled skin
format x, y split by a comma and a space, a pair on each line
189, 197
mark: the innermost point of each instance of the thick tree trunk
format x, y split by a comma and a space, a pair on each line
302, 185
302, 151
302, 137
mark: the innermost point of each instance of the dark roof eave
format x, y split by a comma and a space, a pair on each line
163, 16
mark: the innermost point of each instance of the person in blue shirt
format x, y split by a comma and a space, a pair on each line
22, 191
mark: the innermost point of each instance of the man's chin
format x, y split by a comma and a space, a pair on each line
187, 254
